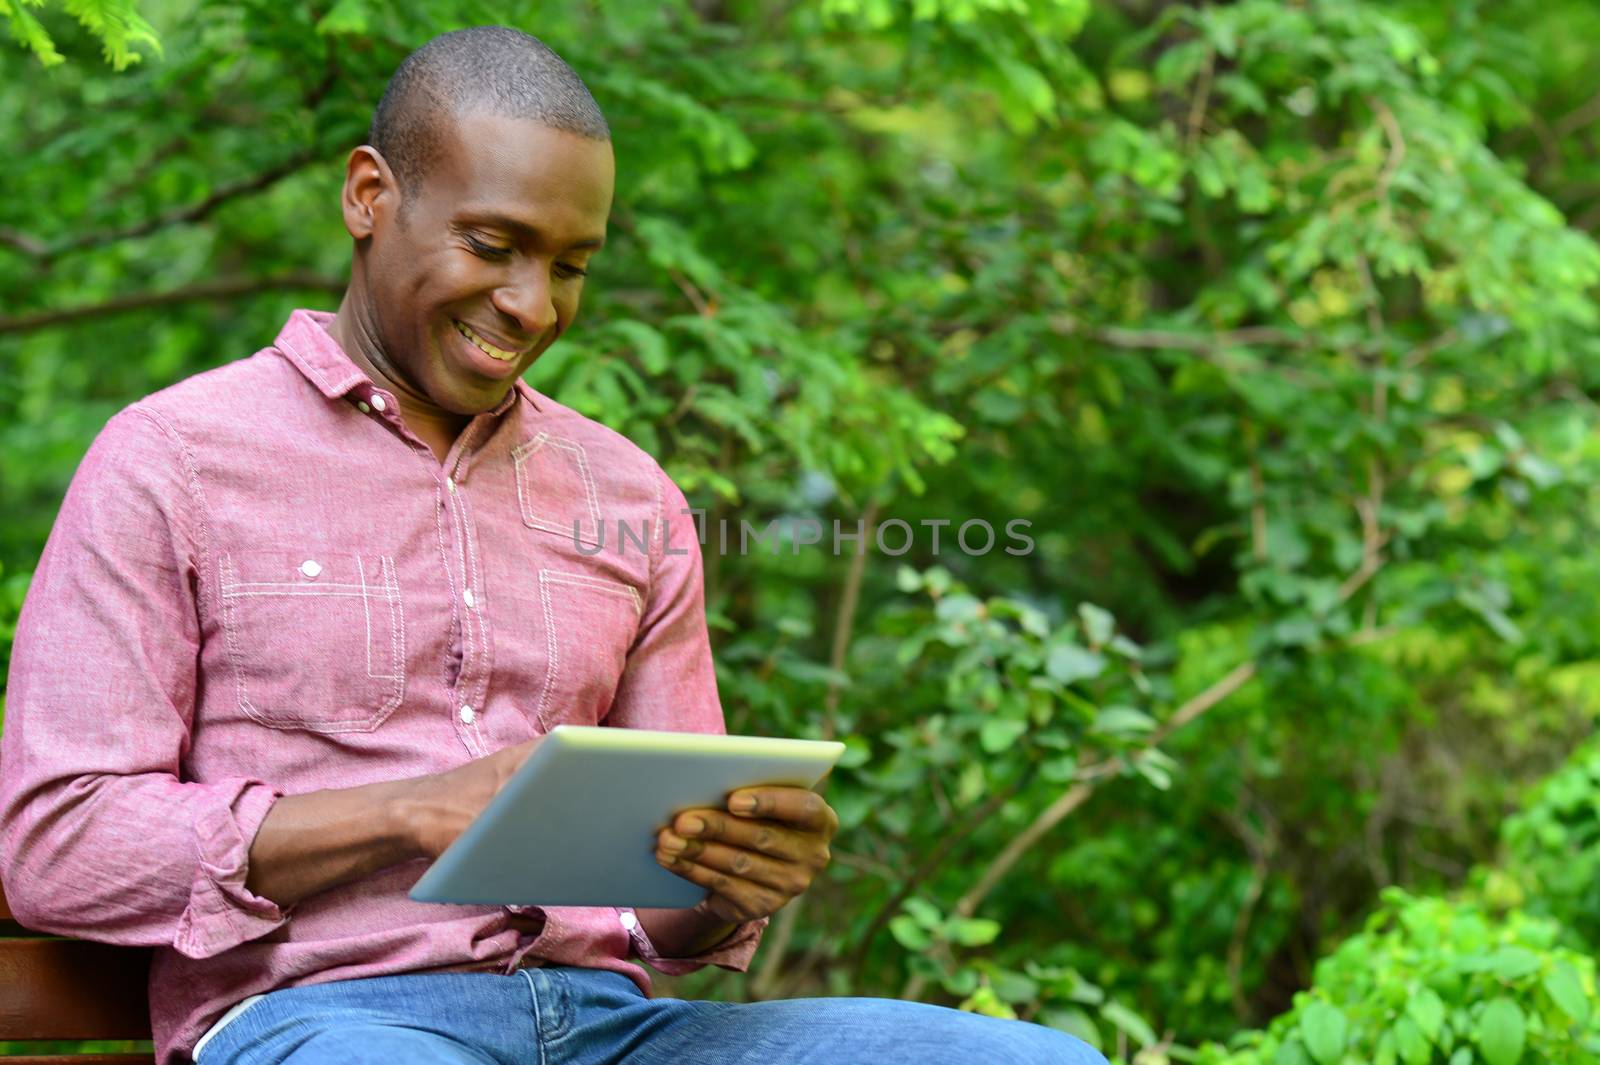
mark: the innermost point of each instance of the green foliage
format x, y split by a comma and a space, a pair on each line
1275, 323
1551, 861
1431, 980
116, 24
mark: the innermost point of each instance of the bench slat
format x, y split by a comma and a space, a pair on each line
69, 989
80, 1059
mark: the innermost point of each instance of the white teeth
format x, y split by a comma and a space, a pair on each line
483, 345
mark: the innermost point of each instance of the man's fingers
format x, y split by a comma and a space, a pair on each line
733, 898
800, 807
790, 878
763, 837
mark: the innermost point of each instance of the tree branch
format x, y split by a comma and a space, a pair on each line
1397, 149
766, 976
1576, 119
194, 212
1078, 794
229, 288
1200, 100
27, 245
1248, 336
930, 863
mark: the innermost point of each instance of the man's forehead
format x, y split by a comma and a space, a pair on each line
499, 165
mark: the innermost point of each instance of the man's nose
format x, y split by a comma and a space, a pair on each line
527, 299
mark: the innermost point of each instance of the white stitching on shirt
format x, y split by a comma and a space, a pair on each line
530, 518
661, 523
366, 610
307, 363
588, 580
548, 577
397, 622
224, 570
231, 589
552, 669
291, 587
203, 551
583, 468
355, 377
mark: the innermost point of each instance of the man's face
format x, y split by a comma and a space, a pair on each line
482, 268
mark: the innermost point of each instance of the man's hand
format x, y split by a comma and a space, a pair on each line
441, 806
309, 843
764, 850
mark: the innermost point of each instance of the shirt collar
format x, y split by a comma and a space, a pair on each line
305, 341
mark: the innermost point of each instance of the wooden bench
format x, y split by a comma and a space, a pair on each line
67, 989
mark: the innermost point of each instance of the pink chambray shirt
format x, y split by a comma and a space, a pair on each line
261, 583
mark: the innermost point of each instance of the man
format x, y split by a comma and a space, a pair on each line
300, 617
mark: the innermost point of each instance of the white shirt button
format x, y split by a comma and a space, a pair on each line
310, 567
450, 483
378, 403
467, 714
362, 404
470, 599
629, 921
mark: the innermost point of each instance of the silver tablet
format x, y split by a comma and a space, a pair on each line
576, 825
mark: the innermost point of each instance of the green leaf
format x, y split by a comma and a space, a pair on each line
1409, 1041
1565, 989
1122, 721
1068, 663
1014, 987
345, 17
984, 1000
999, 733
1030, 86
972, 931
1291, 1052
1426, 1008
1130, 1022
1098, 624
1502, 1031
1513, 963
1073, 1021
1323, 1027
857, 752
1154, 770
924, 913
958, 608
909, 934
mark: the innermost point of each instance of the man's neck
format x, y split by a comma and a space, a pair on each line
436, 427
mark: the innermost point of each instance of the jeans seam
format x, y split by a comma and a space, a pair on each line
538, 1028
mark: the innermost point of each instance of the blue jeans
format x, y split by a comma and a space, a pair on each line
568, 1016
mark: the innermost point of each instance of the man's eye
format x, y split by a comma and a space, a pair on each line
487, 251
570, 271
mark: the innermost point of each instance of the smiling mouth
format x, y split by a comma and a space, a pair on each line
500, 354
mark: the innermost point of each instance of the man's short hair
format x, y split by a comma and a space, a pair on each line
483, 70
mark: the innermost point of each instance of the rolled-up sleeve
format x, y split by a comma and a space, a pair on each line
733, 953
670, 683
99, 835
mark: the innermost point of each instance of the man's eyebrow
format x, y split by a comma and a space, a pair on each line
527, 230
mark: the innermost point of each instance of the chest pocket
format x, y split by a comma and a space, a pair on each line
589, 625
317, 640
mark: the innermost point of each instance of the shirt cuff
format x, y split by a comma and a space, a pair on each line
733, 953
222, 913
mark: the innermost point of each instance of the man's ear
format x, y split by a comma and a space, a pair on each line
369, 191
